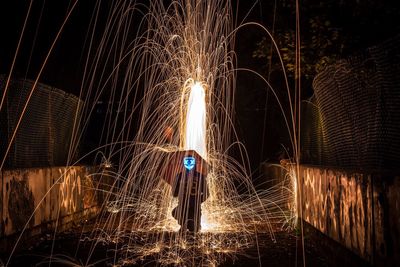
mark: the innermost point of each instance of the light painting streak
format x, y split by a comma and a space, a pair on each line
177, 73
183, 62
195, 138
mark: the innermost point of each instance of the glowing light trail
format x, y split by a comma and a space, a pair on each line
148, 79
183, 63
195, 138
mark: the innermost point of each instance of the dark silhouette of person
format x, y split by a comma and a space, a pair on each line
191, 190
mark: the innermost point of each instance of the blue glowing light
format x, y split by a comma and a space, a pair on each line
189, 162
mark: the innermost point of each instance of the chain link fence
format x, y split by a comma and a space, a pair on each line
44, 135
353, 119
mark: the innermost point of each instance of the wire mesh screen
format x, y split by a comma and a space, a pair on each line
44, 135
354, 119
312, 138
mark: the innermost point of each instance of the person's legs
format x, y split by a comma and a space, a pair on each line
194, 216
180, 213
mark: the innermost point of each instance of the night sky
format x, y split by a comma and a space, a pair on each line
367, 21
359, 24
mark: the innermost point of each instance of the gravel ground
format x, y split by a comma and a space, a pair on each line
286, 251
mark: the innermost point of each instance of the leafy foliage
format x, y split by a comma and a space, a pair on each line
329, 30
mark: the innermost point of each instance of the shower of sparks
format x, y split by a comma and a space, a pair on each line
184, 63
176, 71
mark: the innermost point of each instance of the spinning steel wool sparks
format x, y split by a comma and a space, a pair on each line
185, 61
175, 172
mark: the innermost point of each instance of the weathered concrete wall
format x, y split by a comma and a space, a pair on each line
386, 204
37, 200
340, 205
1, 206
360, 211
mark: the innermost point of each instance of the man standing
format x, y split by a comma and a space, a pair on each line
191, 189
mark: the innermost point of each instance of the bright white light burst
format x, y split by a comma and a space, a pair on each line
195, 138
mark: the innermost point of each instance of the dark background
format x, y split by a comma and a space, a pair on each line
331, 29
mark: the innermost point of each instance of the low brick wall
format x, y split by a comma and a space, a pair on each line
359, 210
39, 199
